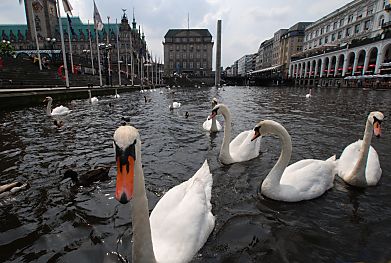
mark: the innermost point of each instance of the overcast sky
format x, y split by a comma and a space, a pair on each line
246, 23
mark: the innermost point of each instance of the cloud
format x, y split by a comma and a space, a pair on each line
246, 23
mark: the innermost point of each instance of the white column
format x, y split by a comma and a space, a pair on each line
355, 64
329, 68
316, 67
366, 63
309, 73
345, 65
379, 60
336, 66
305, 69
322, 67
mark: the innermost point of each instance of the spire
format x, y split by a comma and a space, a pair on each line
134, 24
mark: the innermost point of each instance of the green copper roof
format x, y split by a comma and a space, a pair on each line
14, 28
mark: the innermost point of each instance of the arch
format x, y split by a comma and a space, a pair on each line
341, 59
360, 62
319, 67
381, 21
372, 60
333, 62
313, 65
326, 66
385, 58
350, 62
307, 67
22, 55
386, 54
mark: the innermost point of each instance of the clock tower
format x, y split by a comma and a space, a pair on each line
42, 13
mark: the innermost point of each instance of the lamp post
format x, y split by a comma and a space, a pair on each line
86, 53
51, 42
106, 51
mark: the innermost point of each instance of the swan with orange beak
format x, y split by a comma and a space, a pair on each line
181, 221
359, 163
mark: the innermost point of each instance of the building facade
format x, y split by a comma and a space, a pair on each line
188, 51
246, 64
276, 59
43, 14
354, 40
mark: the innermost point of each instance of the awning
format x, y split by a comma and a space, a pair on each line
264, 69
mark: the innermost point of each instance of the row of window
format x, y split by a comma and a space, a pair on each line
348, 33
188, 40
188, 65
338, 24
188, 47
187, 55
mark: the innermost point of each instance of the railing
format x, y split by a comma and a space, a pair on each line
386, 25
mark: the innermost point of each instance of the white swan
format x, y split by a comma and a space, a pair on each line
175, 105
359, 163
241, 148
309, 95
116, 95
60, 110
92, 100
212, 125
181, 221
303, 180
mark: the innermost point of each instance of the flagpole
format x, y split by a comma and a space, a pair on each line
119, 64
64, 58
156, 80
126, 61
97, 48
108, 50
131, 58
70, 45
36, 37
152, 69
91, 53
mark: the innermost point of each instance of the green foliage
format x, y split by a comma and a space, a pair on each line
6, 49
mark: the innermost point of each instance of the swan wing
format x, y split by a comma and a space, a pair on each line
60, 110
349, 158
182, 220
307, 179
207, 125
242, 148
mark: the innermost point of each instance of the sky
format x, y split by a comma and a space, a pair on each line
245, 23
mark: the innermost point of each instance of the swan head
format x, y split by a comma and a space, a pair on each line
126, 139
71, 174
48, 98
263, 128
376, 118
214, 102
218, 109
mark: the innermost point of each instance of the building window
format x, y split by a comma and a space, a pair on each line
357, 29
204, 55
171, 65
178, 47
339, 34
348, 32
341, 22
367, 24
191, 65
184, 64
171, 55
335, 25
359, 14
321, 31
332, 37
198, 65
350, 18
205, 65
191, 55
320, 41
326, 39
177, 55
381, 21
327, 28
317, 33
184, 56
198, 55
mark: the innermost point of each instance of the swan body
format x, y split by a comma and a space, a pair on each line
303, 180
92, 100
181, 221
309, 95
60, 110
116, 95
12, 188
239, 149
359, 163
175, 105
212, 125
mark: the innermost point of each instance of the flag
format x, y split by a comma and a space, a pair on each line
98, 24
67, 7
70, 25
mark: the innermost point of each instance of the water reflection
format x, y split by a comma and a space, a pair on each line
55, 221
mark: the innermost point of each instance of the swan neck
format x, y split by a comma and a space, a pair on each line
49, 108
358, 173
142, 240
224, 150
274, 176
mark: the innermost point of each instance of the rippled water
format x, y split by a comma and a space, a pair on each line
54, 221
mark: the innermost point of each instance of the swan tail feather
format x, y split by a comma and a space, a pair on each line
334, 161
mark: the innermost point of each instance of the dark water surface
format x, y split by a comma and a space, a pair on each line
54, 221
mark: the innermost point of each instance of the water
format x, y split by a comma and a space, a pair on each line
54, 221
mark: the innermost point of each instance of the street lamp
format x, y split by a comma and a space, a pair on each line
106, 51
51, 42
86, 53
